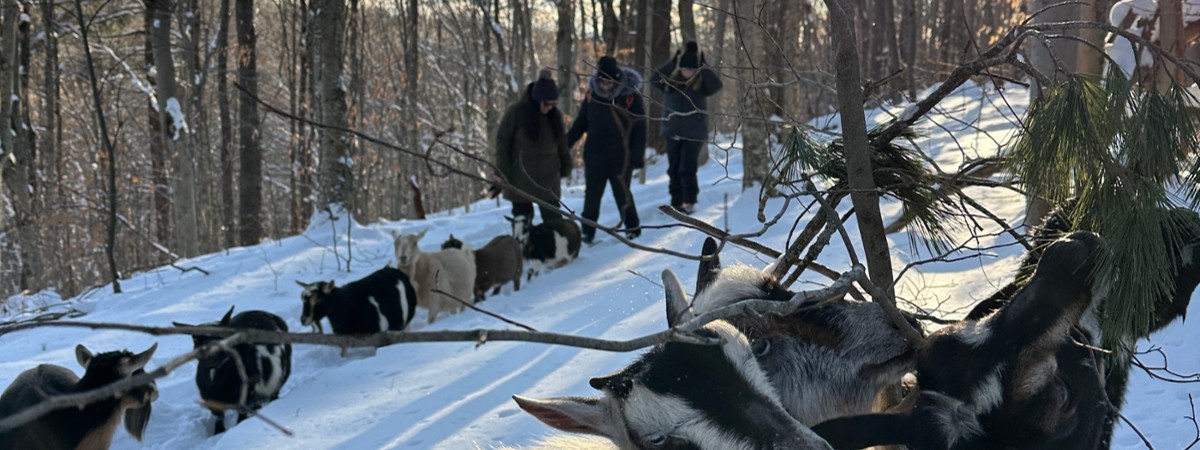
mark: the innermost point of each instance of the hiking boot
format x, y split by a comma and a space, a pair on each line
688, 208
588, 239
633, 234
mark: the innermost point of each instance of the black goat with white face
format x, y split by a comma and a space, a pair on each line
826, 360
1014, 379
266, 367
89, 427
382, 301
770, 375
683, 396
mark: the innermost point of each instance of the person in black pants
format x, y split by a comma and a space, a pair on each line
613, 116
686, 83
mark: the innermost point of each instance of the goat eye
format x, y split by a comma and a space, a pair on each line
761, 347
656, 440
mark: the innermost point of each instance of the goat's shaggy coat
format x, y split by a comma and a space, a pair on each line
89, 427
266, 367
552, 244
496, 263
449, 272
1014, 379
384, 300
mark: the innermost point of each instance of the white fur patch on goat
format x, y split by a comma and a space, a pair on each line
733, 284
649, 413
403, 293
274, 357
562, 254
383, 321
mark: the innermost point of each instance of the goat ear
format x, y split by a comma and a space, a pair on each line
394, 233
138, 361
83, 355
708, 268
228, 316
571, 414
328, 287
678, 309
302, 284
421, 235
136, 420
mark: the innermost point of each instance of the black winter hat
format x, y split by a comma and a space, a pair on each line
607, 67
690, 59
545, 89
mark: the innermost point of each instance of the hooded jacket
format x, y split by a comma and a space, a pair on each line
532, 165
685, 102
615, 123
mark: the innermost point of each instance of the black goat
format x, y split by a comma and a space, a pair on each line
1181, 236
551, 244
89, 427
266, 366
1014, 379
384, 300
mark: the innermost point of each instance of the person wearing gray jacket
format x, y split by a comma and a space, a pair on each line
686, 82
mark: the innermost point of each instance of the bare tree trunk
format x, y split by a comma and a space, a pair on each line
660, 50
229, 217
910, 32
756, 107
1047, 61
329, 25
858, 154
564, 39
109, 149
250, 160
196, 136
717, 60
687, 20
612, 27
1091, 61
160, 171
304, 173
18, 145
1171, 38
412, 72
50, 145
170, 113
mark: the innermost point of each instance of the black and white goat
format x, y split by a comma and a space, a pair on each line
826, 360
266, 368
1181, 238
548, 245
88, 427
1013, 379
384, 300
496, 263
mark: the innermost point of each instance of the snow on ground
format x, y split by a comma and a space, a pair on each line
457, 395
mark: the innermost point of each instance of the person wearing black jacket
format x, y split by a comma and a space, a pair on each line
531, 151
613, 116
686, 83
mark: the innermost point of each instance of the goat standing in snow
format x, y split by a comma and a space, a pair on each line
496, 263
452, 272
1014, 379
384, 300
551, 244
266, 368
88, 427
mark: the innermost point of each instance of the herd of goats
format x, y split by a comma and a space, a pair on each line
1025, 369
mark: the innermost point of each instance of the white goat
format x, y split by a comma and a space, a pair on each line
450, 272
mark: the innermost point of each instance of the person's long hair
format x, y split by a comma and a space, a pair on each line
533, 110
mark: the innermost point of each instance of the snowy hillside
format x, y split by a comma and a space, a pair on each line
457, 395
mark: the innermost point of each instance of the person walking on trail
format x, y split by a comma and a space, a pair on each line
613, 116
686, 82
531, 152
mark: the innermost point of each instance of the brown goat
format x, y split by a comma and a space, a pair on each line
496, 263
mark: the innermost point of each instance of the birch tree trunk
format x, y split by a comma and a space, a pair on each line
250, 199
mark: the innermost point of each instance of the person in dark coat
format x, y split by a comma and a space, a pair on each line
531, 150
614, 117
686, 83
